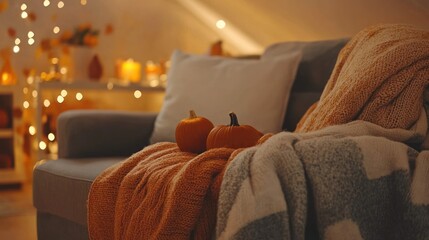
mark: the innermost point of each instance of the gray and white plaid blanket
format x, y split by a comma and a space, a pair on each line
353, 181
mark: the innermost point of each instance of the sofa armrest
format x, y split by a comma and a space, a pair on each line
103, 133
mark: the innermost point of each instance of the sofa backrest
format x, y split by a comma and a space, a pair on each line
318, 60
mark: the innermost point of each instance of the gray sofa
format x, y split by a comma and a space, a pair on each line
91, 140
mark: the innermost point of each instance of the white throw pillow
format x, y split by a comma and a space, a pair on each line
256, 90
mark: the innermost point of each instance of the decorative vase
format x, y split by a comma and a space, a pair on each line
95, 69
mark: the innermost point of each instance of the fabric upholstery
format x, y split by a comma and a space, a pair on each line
314, 70
102, 133
61, 186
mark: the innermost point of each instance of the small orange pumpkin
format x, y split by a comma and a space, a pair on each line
192, 132
233, 135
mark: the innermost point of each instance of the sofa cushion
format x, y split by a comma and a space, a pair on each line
256, 90
61, 186
314, 70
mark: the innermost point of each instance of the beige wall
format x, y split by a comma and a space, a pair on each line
152, 29
278, 20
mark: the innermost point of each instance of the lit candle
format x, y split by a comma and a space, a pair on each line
130, 71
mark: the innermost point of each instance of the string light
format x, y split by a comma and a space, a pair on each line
42, 145
83, 2
32, 130
221, 24
24, 7
26, 104
51, 137
34, 93
31, 41
46, 3
16, 49
109, 85
63, 93
60, 4
63, 70
46, 103
24, 15
30, 34
79, 96
25, 90
30, 80
56, 29
17, 41
137, 94
60, 99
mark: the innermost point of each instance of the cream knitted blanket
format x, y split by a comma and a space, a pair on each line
380, 76
352, 181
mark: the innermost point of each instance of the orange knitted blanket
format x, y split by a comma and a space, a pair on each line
158, 193
380, 77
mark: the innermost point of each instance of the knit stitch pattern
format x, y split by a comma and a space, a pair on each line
158, 193
380, 77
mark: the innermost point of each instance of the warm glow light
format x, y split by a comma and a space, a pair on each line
63, 93
46, 103
34, 93
130, 70
79, 96
63, 70
55, 60
110, 85
26, 104
42, 145
32, 130
46, 3
25, 90
235, 37
220, 24
30, 80
23, 7
30, 34
56, 29
60, 4
83, 2
137, 94
17, 41
24, 15
16, 49
153, 83
51, 137
31, 41
60, 99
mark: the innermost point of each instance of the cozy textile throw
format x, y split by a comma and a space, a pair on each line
158, 193
356, 181
380, 76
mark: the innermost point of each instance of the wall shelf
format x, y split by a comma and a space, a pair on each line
53, 88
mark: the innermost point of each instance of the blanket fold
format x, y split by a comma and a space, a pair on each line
380, 76
360, 187
158, 193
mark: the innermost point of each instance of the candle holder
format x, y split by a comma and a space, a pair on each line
128, 71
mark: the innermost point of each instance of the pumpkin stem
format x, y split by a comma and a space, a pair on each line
192, 114
234, 120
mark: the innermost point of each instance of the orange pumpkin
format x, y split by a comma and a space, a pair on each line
233, 135
192, 132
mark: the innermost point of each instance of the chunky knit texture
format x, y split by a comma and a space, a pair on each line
380, 77
158, 193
